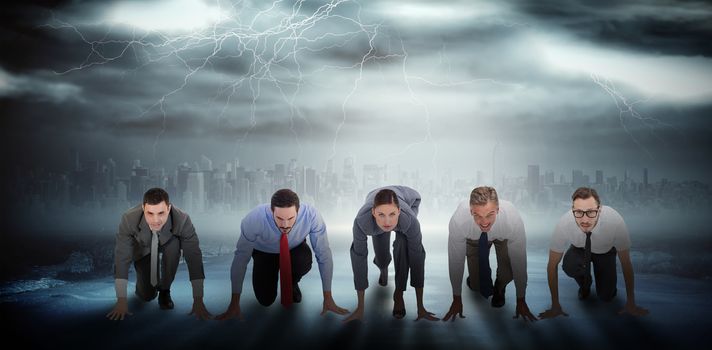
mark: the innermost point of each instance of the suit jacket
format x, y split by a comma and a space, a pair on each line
133, 241
365, 225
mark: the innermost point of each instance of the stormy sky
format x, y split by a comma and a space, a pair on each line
424, 85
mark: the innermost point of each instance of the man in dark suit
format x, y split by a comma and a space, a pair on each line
156, 228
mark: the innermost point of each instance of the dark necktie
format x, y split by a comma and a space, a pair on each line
285, 271
587, 257
154, 258
485, 271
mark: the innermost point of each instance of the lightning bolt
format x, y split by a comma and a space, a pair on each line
627, 110
414, 99
403, 56
273, 53
366, 57
449, 83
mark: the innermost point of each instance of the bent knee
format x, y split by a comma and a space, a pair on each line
266, 301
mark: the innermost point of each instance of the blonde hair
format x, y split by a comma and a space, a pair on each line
483, 194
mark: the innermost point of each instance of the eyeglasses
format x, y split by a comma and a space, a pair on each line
590, 213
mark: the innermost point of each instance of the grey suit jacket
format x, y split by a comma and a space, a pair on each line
365, 225
133, 241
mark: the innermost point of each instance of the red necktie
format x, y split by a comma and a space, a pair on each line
285, 271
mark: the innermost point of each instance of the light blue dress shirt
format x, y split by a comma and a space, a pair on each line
260, 232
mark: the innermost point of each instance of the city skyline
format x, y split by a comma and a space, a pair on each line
203, 185
590, 172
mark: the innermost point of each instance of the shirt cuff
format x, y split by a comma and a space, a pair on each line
121, 285
197, 288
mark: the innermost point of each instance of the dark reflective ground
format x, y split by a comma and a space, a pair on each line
72, 314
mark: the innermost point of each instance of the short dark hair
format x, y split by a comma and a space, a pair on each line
483, 194
155, 196
586, 193
386, 196
284, 198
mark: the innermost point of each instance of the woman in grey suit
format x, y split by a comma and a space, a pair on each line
390, 209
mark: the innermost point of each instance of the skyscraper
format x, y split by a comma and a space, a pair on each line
181, 180
373, 176
139, 182
349, 183
196, 187
312, 185
206, 164
279, 178
577, 179
533, 180
549, 178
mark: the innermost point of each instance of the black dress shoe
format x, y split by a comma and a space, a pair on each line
296, 293
144, 297
398, 313
498, 297
468, 283
383, 279
164, 300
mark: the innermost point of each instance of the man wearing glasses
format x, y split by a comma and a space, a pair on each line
596, 234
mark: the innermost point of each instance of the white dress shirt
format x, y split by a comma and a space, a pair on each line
508, 225
610, 231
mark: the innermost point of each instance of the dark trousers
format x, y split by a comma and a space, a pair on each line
265, 271
169, 256
504, 265
401, 262
604, 271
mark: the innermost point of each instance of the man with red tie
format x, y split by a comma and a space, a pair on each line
274, 236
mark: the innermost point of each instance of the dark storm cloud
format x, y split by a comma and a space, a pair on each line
30, 42
26, 47
180, 126
38, 87
667, 27
473, 69
125, 75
